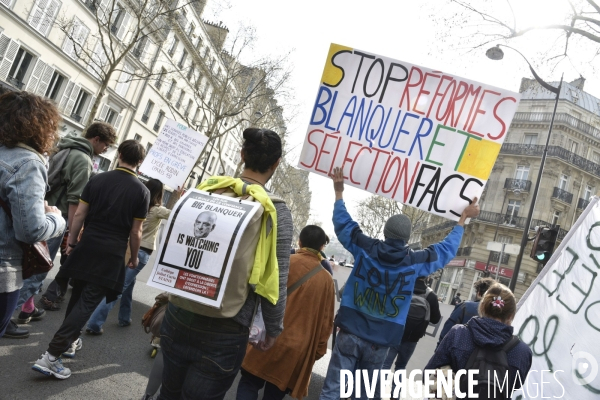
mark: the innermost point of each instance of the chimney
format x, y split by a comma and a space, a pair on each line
217, 33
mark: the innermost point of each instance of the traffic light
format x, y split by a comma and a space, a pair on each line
543, 246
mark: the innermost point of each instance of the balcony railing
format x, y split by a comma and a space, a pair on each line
514, 221
145, 118
494, 256
553, 151
517, 184
15, 82
156, 127
137, 52
76, 117
169, 95
582, 203
463, 251
158, 83
562, 195
559, 118
91, 4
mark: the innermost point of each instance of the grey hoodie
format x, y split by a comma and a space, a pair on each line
75, 172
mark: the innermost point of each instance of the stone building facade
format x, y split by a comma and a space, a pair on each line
571, 176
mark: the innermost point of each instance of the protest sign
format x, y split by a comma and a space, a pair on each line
173, 154
195, 256
422, 137
559, 317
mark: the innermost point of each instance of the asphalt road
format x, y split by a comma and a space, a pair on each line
116, 365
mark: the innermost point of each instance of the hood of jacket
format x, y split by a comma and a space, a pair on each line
488, 332
73, 140
390, 252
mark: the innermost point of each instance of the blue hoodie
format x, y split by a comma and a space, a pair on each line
377, 296
459, 343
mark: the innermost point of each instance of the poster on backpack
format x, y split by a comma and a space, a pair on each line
202, 236
419, 136
173, 154
559, 317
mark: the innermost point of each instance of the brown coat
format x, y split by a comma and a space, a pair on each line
308, 322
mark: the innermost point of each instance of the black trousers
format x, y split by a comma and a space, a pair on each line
84, 300
249, 386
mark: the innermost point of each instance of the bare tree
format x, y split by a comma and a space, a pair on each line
123, 30
374, 211
576, 34
230, 96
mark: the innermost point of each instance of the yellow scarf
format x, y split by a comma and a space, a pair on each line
265, 271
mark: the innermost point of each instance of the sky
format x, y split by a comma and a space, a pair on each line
410, 31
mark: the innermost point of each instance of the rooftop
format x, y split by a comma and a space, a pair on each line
570, 91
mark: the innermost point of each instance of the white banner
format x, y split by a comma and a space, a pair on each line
195, 256
559, 317
173, 154
419, 136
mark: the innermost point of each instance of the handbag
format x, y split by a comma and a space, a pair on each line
36, 256
152, 320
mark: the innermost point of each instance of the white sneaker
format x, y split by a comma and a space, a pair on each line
47, 367
75, 346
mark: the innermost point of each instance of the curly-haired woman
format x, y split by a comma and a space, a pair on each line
28, 129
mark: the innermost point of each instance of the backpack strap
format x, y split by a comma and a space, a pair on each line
462, 315
511, 343
306, 277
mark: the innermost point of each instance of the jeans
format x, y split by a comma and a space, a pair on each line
99, 316
84, 300
33, 284
352, 353
202, 355
7, 306
249, 386
404, 351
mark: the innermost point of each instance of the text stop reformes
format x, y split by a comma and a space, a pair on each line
419, 136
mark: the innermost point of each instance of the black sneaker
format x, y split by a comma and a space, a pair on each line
94, 333
48, 305
13, 331
35, 315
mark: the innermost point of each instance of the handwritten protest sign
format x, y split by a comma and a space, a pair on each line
419, 136
559, 317
195, 256
173, 154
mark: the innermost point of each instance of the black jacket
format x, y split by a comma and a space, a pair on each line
412, 333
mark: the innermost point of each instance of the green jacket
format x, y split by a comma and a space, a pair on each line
75, 172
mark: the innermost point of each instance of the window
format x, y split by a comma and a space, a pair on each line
173, 46
160, 77
191, 29
573, 146
522, 172
183, 57
43, 14
139, 49
55, 85
188, 108
563, 182
505, 239
199, 80
75, 39
538, 109
212, 162
512, 212
195, 119
530, 139
555, 217
596, 157
137, 138
120, 23
80, 104
124, 80
199, 44
588, 192
190, 73
98, 60
19, 68
111, 116
147, 111
148, 147
180, 99
161, 115
171, 89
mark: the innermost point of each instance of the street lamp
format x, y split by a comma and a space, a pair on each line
496, 53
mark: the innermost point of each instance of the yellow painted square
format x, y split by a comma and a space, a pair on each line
479, 158
332, 75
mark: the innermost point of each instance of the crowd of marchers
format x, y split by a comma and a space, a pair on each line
104, 228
